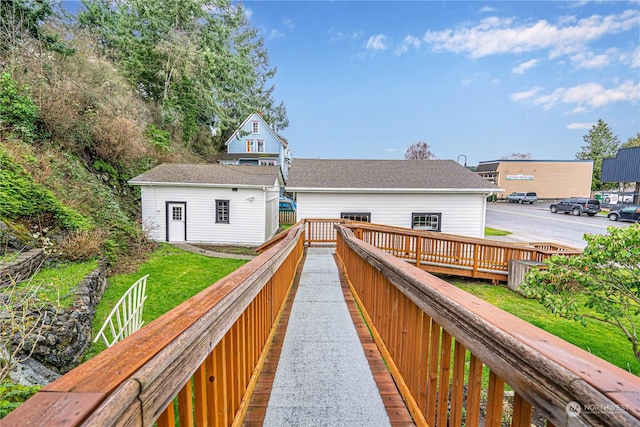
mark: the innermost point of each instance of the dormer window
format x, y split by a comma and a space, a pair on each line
255, 127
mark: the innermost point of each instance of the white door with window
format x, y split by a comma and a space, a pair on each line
176, 222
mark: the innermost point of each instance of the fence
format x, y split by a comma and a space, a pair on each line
205, 354
453, 356
127, 314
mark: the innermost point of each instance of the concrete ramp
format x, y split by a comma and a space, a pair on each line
323, 377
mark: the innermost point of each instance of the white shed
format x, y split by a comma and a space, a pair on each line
210, 203
437, 195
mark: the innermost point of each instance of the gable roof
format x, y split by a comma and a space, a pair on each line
253, 117
384, 175
210, 174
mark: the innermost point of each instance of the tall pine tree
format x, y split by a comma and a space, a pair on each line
600, 143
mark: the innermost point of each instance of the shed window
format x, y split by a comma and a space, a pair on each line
222, 211
356, 216
426, 221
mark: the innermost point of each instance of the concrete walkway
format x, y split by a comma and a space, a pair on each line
323, 377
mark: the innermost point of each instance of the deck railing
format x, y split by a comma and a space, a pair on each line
196, 365
450, 254
451, 353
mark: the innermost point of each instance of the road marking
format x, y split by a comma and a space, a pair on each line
541, 217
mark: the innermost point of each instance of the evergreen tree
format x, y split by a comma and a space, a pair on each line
600, 143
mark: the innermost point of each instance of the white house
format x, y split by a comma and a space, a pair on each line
255, 143
437, 195
210, 203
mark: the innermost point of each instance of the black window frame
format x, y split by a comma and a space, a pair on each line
350, 215
220, 203
425, 214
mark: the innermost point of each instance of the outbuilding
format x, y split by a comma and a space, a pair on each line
550, 179
210, 203
436, 195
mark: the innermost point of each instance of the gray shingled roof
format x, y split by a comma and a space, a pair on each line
383, 174
209, 174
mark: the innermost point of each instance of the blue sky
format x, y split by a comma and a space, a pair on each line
366, 79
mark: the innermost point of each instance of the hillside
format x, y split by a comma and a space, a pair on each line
86, 103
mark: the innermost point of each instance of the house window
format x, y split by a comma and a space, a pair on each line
426, 221
356, 216
255, 127
222, 211
267, 162
176, 213
260, 146
250, 145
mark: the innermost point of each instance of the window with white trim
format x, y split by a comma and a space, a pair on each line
250, 145
356, 216
426, 221
176, 213
222, 211
260, 145
255, 127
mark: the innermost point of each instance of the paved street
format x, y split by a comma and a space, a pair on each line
536, 223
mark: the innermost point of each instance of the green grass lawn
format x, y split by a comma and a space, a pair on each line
488, 231
602, 340
174, 276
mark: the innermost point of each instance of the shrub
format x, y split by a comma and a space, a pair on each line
13, 395
17, 110
81, 245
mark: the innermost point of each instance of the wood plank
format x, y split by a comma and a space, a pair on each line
54, 409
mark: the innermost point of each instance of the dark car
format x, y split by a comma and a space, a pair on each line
628, 213
286, 204
522, 197
576, 206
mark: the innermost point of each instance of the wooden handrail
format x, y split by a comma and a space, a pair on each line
452, 254
207, 351
426, 329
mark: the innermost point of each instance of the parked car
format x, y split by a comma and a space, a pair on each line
627, 213
522, 197
286, 204
576, 206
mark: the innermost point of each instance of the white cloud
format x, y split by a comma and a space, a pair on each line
288, 23
591, 60
377, 42
336, 35
574, 126
487, 9
582, 97
522, 96
407, 43
521, 68
275, 34
494, 35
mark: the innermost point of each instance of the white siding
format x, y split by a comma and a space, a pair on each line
246, 217
272, 213
462, 213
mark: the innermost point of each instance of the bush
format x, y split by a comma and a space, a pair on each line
17, 110
14, 395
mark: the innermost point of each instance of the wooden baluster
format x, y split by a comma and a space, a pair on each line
495, 400
185, 405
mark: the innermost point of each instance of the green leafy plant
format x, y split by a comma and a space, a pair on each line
18, 112
22, 197
602, 284
161, 139
13, 395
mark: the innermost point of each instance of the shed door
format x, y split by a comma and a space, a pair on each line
176, 221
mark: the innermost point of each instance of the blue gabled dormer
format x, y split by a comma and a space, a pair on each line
255, 143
